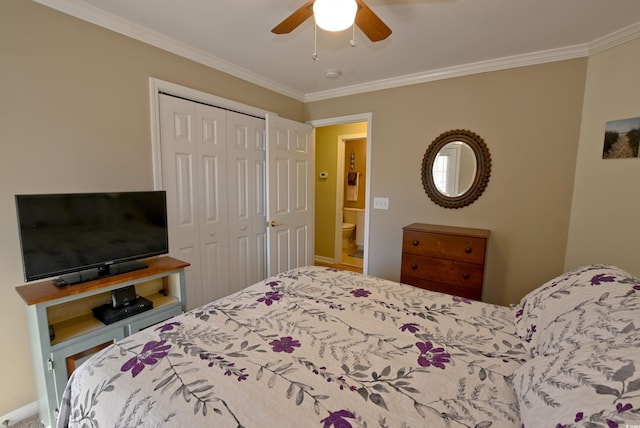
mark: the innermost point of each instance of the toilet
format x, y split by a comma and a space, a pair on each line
352, 219
347, 234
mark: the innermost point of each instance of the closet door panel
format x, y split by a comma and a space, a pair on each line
259, 216
179, 148
247, 222
212, 198
214, 261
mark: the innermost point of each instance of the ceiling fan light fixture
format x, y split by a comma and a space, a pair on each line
335, 15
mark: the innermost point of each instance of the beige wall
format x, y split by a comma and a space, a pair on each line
605, 216
327, 139
529, 118
74, 116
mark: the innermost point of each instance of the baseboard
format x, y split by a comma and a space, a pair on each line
21, 414
322, 259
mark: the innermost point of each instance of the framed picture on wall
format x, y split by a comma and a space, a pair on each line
621, 139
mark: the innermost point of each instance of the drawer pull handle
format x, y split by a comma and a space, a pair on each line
416, 243
468, 250
414, 266
466, 276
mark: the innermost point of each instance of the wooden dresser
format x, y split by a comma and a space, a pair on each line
444, 258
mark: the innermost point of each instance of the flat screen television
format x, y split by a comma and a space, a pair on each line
84, 236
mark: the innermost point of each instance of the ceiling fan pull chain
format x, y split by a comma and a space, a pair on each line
353, 38
315, 42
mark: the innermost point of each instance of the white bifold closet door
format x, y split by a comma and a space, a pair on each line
213, 169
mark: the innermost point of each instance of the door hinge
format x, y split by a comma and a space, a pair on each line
50, 365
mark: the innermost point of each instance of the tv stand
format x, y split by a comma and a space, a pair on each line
67, 312
99, 272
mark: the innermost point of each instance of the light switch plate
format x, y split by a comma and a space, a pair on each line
380, 203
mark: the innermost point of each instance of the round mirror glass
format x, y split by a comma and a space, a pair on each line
456, 168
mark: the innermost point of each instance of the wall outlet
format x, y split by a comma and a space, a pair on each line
380, 203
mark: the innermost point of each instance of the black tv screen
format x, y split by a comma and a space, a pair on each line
87, 235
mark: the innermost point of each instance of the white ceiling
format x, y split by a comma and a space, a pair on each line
431, 39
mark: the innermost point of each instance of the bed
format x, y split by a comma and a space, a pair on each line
318, 347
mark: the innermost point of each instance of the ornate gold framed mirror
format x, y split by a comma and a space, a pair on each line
456, 168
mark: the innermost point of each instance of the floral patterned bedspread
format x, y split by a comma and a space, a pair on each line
311, 347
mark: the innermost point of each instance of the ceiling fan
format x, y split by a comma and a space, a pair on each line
365, 19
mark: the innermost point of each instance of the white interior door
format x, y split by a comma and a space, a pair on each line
290, 200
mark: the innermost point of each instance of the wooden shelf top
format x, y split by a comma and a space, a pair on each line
45, 291
450, 230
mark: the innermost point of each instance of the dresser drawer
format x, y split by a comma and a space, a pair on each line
464, 248
443, 271
466, 292
446, 259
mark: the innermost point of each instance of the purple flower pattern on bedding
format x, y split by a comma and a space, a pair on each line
596, 386
461, 299
167, 326
584, 337
152, 352
411, 327
337, 419
590, 303
285, 344
602, 278
331, 348
270, 297
432, 356
360, 292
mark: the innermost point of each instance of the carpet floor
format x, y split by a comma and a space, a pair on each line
32, 422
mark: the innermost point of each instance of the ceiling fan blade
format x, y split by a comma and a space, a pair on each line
370, 24
295, 19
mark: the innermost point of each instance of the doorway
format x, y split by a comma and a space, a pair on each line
350, 199
334, 151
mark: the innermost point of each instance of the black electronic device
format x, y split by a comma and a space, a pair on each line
123, 296
108, 314
85, 236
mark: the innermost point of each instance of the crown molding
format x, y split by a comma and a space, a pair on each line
112, 22
456, 71
614, 39
608, 41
